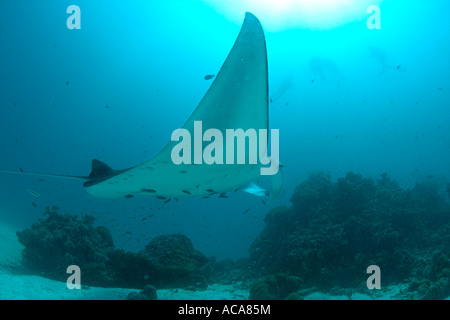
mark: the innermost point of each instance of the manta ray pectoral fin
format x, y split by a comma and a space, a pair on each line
236, 99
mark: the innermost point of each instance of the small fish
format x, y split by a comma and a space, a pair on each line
107, 107
187, 192
67, 83
33, 193
34, 204
20, 169
167, 201
271, 101
161, 197
209, 76
246, 211
264, 203
313, 80
129, 196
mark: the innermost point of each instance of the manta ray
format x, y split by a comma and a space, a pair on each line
238, 98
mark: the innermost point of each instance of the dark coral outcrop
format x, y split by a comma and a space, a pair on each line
61, 240
276, 287
174, 256
51, 245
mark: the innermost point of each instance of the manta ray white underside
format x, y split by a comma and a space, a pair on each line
238, 98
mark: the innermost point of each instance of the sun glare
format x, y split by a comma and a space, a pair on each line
287, 14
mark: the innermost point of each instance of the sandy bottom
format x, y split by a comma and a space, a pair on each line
15, 285
29, 287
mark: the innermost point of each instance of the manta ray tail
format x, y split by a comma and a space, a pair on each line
21, 172
99, 172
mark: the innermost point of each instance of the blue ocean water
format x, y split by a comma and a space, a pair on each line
345, 98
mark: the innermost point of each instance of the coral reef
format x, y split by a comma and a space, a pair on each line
324, 241
168, 261
51, 245
61, 240
175, 255
334, 230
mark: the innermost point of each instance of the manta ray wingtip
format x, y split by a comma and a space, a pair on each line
250, 16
